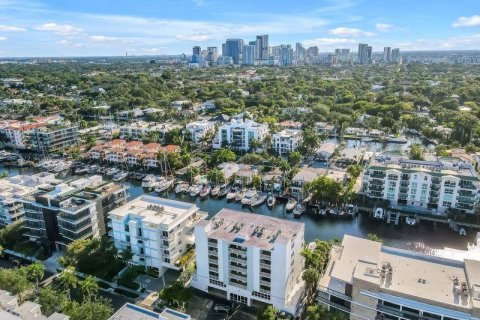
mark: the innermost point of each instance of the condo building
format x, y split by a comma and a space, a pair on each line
239, 133
447, 185
371, 281
286, 141
250, 258
158, 231
199, 129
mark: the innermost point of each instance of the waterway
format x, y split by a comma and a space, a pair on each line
421, 238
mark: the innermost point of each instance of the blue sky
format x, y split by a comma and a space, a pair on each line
144, 27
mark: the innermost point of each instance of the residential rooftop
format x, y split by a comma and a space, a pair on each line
133, 312
155, 210
248, 229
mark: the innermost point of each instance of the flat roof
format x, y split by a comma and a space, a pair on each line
133, 312
155, 210
250, 229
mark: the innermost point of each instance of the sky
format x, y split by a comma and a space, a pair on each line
155, 27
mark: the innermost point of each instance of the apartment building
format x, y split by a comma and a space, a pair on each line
16, 132
56, 215
53, 137
371, 281
286, 141
139, 129
250, 258
199, 129
435, 187
157, 230
14, 189
239, 133
12, 309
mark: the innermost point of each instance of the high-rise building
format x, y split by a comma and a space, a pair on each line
299, 52
312, 51
251, 258
362, 53
261, 47
212, 55
343, 55
248, 55
233, 48
196, 54
369, 54
286, 55
396, 55
239, 134
196, 50
276, 51
387, 54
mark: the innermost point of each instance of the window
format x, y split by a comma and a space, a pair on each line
446, 203
238, 298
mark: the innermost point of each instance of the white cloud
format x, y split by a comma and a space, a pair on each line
11, 28
64, 30
104, 39
322, 42
70, 44
193, 37
383, 27
2, 38
342, 31
467, 21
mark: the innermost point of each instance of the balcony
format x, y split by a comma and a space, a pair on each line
378, 175
239, 261
265, 283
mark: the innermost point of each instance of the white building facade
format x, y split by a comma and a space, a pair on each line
247, 258
286, 141
199, 129
239, 133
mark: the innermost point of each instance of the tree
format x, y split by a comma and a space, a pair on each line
34, 273
98, 309
68, 279
354, 170
223, 155
294, 158
256, 182
374, 237
216, 176
324, 188
267, 313
89, 288
176, 295
51, 300
416, 152
14, 281
311, 141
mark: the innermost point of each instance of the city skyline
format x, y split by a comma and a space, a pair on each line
51, 28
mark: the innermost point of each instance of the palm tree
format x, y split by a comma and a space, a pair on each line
311, 277
68, 278
35, 272
89, 288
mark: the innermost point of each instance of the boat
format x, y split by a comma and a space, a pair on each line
322, 212
249, 196
352, 210
307, 199
291, 204
182, 187
112, 171
299, 209
258, 200
378, 213
194, 190
411, 221
119, 176
240, 194
164, 185
271, 201
149, 181
82, 170
223, 191
93, 169
232, 194
205, 191
462, 232
215, 191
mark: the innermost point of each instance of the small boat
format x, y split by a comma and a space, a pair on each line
333, 211
182, 187
258, 200
223, 191
378, 213
291, 204
215, 191
462, 232
205, 191
112, 171
164, 185
232, 194
271, 201
149, 181
119, 176
249, 196
195, 190
299, 209
240, 194
82, 170
307, 199
322, 212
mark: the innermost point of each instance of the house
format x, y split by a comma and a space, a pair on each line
350, 156
179, 105
325, 152
290, 125
325, 129
245, 174
272, 180
305, 175
286, 141
12, 82
229, 169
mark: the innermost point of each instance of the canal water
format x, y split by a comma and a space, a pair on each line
422, 238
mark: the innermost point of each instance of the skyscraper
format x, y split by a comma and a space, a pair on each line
396, 55
386, 54
212, 55
196, 54
369, 54
299, 52
249, 54
286, 55
233, 49
362, 53
261, 47
343, 55
312, 51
